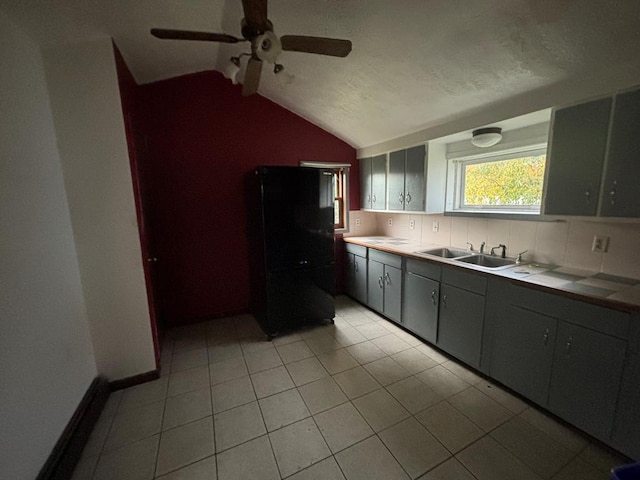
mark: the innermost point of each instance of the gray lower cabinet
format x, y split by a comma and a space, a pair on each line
421, 298
564, 354
626, 429
586, 377
461, 315
522, 351
385, 284
357, 277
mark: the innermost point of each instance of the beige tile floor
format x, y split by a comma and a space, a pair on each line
360, 399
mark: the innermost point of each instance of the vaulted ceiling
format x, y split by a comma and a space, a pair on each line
415, 63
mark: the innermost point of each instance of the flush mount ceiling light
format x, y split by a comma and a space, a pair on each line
486, 137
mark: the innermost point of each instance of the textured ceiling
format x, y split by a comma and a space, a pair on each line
414, 64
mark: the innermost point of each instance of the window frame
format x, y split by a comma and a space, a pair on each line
342, 171
456, 181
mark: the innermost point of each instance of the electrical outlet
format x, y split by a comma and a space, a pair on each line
435, 226
358, 222
600, 244
390, 222
412, 224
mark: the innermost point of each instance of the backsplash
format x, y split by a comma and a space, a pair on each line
565, 243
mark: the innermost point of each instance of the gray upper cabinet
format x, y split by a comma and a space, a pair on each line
373, 182
406, 180
621, 183
576, 158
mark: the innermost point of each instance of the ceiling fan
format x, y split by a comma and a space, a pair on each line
265, 45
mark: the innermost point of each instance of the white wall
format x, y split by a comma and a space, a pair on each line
87, 114
46, 356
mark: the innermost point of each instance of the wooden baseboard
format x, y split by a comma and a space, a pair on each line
135, 380
68, 448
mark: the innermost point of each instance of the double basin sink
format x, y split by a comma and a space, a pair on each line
487, 261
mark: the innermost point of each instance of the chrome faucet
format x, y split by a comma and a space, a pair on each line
519, 257
470, 246
482, 247
504, 250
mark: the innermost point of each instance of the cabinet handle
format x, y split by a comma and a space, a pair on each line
380, 283
387, 277
355, 266
373, 199
568, 346
369, 198
408, 198
587, 195
401, 198
433, 296
546, 336
612, 193
444, 300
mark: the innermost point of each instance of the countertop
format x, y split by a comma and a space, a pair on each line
612, 291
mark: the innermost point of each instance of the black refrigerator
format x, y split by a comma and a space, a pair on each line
292, 247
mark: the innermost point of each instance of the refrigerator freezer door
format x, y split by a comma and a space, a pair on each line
297, 215
299, 296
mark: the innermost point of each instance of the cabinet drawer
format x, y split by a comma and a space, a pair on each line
594, 317
472, 282
386, 258
422, 268
356, 249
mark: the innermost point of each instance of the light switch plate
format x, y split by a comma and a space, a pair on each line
600, 244
390, 222
358, 222
412, 224
435, 226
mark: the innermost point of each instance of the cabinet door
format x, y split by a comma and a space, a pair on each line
460, 325
585, 378
626, 434
375, 283
420, 299
414, 180
395, 181
360, 278
365, 182
378, 182
576, 158
392, 292
349, 275
522, 352
622, 175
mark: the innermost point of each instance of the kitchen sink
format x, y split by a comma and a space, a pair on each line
445, 252
488, 261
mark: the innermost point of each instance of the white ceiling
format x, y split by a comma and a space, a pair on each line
415, 64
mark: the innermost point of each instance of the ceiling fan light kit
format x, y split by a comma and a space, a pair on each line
266, 46
232, 69
486, 137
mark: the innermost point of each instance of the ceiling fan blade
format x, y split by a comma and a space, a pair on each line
169, 34
252, 77
320, 45
255, 13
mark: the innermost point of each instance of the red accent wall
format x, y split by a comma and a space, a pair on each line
202, 138
128, 98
